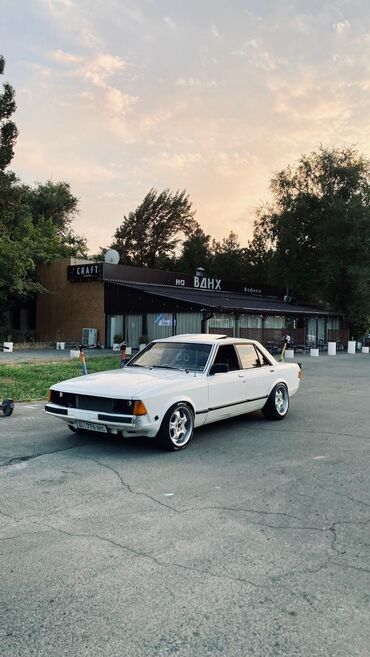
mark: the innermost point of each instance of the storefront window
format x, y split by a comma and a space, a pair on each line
115, 328
188, 323
134, 327
160, 325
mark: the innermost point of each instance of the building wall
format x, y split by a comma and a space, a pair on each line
68, 307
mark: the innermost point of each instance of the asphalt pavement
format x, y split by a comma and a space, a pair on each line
253, 542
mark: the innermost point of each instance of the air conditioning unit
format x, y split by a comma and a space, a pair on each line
89, 337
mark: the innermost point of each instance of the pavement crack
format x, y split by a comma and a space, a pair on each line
15, 460
316, 433
348, 497
158, 562
127, 486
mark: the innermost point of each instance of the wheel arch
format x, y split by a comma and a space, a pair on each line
276, 382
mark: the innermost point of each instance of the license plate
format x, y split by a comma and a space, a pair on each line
91, 426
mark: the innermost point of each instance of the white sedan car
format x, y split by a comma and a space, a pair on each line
175, 385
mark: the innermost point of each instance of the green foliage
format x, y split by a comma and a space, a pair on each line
148, 237
8, 129
316, 234
35, 222
28, 237
227, 258
196, 252
30, 381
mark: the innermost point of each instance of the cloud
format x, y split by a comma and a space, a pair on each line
256, 53
97, 70
100, 67
215, 31
64, 57
118, 102
342, 26
170, 22
195, 82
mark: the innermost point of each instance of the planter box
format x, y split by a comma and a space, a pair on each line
289, 353
314, 353
9, 349
351, 348
116, 346
332, 348
365, 350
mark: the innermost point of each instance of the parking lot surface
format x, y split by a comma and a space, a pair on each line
254, 541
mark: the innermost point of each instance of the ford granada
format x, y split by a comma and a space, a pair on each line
175, 385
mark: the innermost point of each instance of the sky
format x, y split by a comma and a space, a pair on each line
212, 96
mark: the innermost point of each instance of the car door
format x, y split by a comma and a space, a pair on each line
257, 373
227, 390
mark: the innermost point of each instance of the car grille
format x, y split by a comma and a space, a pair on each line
90, 403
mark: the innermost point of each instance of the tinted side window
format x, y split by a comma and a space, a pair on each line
226, 354
248, 356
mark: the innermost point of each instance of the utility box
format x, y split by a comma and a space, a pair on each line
89, 337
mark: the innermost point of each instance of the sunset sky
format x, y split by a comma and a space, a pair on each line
118, 96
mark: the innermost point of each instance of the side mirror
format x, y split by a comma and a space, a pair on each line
219, 368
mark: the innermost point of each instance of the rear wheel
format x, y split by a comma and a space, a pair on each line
177, 427
8, 407
277, 405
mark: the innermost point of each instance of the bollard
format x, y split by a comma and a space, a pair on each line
314, 352
332, 348
351, 348
8, 346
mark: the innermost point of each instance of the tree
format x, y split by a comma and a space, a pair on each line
148, 237
35, 222
8, 129
196, 252
227, 257
27, 239
318, 231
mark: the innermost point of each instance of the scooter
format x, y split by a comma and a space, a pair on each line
7, 406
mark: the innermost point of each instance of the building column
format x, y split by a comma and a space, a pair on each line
236, 325
263, 329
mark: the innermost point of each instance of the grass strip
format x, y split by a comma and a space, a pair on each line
30, 381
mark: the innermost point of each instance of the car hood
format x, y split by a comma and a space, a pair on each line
124, 383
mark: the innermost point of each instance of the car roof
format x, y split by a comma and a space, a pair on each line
208, 338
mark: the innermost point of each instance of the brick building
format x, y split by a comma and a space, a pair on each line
134, 302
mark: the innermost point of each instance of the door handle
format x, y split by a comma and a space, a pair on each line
241, 376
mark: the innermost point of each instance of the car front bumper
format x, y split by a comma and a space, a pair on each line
127, 425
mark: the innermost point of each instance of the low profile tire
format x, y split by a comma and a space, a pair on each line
177, 427
8, 407
277, 405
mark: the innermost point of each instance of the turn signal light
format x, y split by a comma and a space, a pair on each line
49, 396
139, 408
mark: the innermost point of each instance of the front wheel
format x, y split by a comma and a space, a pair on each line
277, 405
177, 427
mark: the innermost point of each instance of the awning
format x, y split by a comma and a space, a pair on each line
222, 301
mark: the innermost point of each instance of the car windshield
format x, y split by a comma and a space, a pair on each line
173, 356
